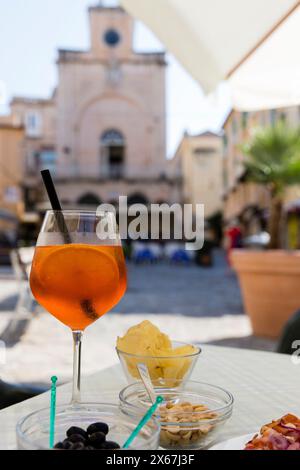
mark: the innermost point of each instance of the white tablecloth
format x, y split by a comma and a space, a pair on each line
264, 385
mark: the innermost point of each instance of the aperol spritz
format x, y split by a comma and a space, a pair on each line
79, 281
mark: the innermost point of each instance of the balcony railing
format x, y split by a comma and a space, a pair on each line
95, 172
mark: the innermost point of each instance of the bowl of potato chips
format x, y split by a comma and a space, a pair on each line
166, 360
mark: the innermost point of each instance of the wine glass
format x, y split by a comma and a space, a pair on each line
78, 272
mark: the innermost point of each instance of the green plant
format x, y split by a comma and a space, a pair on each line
273, 159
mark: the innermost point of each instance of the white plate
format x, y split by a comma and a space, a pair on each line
237, 443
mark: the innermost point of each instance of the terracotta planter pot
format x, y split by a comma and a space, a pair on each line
270, 284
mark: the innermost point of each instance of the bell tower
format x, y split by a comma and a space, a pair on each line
111, 113
111, 31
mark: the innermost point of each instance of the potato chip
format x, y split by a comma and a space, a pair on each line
145, 339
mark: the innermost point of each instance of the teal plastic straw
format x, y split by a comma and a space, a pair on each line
143, 421
52, 411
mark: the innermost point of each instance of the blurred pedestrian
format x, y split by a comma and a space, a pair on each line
233, 238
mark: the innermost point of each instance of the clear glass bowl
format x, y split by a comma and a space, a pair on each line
33, 430
161, 368
183, 428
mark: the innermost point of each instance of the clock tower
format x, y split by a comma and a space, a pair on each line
111, 117
103, 131
111, 31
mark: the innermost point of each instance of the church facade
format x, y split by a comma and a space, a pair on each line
103, 132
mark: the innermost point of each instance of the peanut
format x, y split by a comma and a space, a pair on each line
185, 412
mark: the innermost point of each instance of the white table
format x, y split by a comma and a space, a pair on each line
264, 385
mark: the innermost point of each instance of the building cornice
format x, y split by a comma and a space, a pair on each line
11, 127
32, 101
84, 58
206, 134
95, 180
108, 9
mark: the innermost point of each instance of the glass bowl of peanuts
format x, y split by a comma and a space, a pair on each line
191, 415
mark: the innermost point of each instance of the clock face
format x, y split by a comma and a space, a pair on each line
112, 37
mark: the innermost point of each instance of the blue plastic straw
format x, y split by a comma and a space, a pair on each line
143, 421
52, 411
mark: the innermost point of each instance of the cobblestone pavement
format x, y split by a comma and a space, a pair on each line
164, 288
185, 290
189, 303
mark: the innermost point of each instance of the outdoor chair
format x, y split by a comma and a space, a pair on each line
21, 259
157, 250
180, 256
290, 334
11, 394
170, 249
177, 254
21, 262
145, 256
144, 253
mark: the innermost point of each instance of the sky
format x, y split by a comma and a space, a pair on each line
31, 31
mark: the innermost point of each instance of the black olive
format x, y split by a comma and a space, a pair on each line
98, 427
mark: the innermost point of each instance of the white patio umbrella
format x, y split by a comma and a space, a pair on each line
254, 44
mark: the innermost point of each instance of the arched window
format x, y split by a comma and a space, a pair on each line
113, 153
89, 199
137, 198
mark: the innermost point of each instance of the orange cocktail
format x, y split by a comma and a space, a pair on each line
78, 272
78, 283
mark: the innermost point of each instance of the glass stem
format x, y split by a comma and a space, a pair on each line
77, 337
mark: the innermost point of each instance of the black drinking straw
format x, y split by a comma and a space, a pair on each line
55, 204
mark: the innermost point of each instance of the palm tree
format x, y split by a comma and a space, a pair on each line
273, 159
